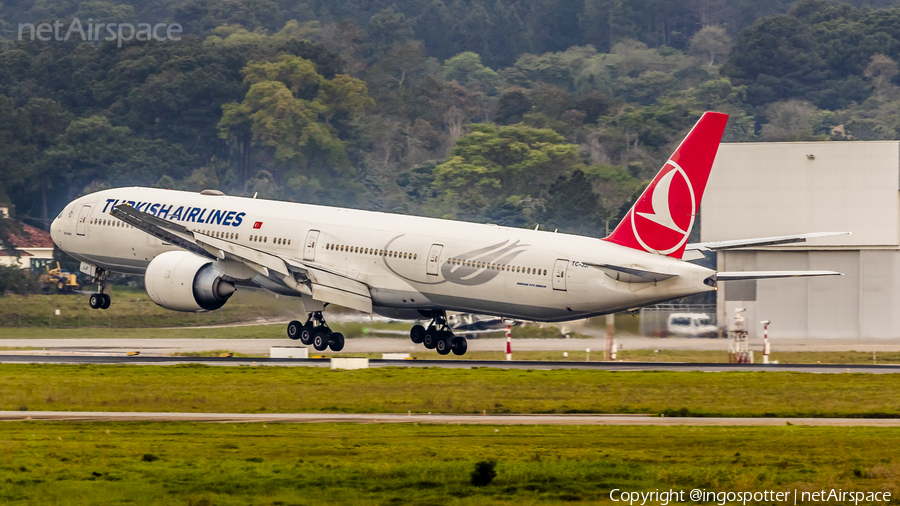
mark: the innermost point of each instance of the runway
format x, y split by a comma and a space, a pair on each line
452, 364
647, 420
157, 342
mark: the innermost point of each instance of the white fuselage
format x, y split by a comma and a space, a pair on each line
409, 263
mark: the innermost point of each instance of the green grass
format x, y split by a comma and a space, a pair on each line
272, 331
132, 309
324, 464
199, 388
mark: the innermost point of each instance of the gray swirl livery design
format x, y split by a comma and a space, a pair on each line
196, 249
482, 265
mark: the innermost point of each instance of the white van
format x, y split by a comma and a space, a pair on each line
691, 325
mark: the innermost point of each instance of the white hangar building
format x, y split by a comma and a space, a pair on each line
772, 189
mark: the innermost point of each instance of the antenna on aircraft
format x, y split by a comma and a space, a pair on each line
255, 194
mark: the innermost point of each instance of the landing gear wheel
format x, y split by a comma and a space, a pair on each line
417, 334
336, 342
99, 300
444, 343
460, 345
430, 338
293, 330
307, 332
321, 339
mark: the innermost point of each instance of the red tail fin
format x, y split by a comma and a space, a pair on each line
661, 220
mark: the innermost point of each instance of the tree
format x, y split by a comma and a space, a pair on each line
466, 68
881, 71
573, 207
43, 122
779, 58
297, 74
712, 42
386, 29
493, 164
792, 120
284, 123
513, 105
345, 96
294, 118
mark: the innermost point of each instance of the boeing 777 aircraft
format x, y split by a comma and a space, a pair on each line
195, 249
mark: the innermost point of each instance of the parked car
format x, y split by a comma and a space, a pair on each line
691, 325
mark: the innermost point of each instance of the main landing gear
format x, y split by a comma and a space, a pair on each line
315, 332
438, 336
100, 300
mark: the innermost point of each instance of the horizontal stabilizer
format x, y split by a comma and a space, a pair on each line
631, 274
760, 241
745, 275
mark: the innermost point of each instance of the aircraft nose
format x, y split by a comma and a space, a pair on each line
54, 230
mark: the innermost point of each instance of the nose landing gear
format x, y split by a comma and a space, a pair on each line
315, 332
438, 336
100, 300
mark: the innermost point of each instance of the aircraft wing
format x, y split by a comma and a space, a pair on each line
745, 275
164, 230
244, 262
759, 241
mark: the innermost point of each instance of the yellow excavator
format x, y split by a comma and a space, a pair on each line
61, 281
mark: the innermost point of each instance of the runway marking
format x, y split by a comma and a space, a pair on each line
474, 419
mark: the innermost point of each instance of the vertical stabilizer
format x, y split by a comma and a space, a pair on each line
661, 219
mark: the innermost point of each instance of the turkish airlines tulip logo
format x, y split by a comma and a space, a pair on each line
663, 217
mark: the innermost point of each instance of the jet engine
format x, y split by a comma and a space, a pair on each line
183, 281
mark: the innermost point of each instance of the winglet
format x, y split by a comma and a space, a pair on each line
661, 220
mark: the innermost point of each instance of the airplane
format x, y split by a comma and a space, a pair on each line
195, 249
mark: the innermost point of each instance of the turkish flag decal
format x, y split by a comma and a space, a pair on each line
258, 224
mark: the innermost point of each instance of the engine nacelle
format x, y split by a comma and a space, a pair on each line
183, 281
